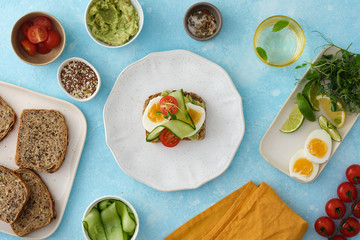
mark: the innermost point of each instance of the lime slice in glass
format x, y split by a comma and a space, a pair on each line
294, 121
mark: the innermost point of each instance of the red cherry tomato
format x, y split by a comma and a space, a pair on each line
324, 226
353, 174
168, 104
25, 27
42, 21
356, 211
37, 34
339, 237
347, 192
53, 39
168, 139
351, 227
335, 208
28, 47
42, 49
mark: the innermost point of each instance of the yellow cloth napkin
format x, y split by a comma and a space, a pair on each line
249, 213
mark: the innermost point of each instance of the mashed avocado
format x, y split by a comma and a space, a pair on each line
112, 21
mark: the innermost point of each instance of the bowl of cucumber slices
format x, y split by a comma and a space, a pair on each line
110, 217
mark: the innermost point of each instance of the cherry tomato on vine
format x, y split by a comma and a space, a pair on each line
347, 192
335, 208
356, 211
169, 139
351, 227
339, 237
324, 226
168, 104
353, 174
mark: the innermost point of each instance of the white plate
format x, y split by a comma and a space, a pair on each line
59, 182
277, 148
191, 163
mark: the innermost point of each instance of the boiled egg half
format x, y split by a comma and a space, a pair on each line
301, 168
197, 114
318, 146
151, 119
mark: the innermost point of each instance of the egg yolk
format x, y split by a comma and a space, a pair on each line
303, 167
153, 113
195, 116
317, 148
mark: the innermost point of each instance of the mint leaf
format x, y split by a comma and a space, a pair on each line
262, 53
280, 25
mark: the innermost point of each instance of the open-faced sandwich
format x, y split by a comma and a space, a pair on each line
171, 116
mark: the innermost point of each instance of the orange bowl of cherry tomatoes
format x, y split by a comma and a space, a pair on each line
38, 38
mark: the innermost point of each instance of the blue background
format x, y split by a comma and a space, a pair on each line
264, 89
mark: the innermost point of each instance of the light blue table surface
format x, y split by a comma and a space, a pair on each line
264, 90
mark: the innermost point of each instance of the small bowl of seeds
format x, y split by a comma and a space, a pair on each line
79, 79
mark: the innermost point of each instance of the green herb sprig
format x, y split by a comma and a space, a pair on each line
280, 25
338, 77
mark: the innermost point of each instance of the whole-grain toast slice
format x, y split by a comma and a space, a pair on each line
39, 210
7, 118
14, 193
42, 140
194, 96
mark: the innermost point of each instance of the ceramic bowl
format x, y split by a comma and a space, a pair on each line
87, 63
37, 59
203, 6
140, 12
94, 203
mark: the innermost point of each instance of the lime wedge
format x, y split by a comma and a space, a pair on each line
310, 91
293, 122
305, 107
329, 128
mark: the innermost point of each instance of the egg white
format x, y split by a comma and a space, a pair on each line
147, 123
201, 111
325, 137
301, 154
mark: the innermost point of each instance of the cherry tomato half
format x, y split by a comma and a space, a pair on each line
168, 104
42, 49
324, 226
339, 237
28, 47
37, 34
347, 192
356, 211
168, 139
42, 21
53, 39
353, 174
351, 227
335, 208
25, 27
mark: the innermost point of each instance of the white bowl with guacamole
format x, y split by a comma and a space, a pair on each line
114, 23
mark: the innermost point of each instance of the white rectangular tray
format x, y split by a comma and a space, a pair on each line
277, 147
61, 181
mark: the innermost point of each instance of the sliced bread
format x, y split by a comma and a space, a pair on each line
7, 118
39, 210
195, 97
14, 193
42, 140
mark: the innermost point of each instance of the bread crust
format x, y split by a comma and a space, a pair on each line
27, 193
19, 159
11, 125
194, 96
22, 228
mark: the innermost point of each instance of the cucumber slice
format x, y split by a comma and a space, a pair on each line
182, 114
93, 225
112, 223
127, 222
